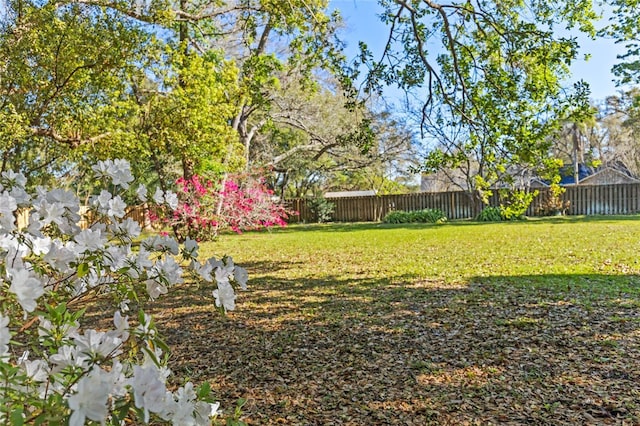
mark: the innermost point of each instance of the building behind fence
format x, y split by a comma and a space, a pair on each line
583, 200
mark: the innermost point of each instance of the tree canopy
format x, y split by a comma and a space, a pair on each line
486, 79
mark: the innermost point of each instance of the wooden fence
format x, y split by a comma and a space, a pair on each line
138, 213
583, 200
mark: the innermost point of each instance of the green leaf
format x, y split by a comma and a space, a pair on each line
82, 270
17, 419
204, 390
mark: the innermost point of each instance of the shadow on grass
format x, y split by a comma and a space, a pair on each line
548, 349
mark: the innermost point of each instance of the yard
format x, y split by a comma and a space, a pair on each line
534, 322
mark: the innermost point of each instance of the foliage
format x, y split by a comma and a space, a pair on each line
52, 271
176, 87
184, 112
64, 79
416, 216
490, 214
320, 159
202, 208
492, 75
553, 204
517, 203
321, 208
623, 28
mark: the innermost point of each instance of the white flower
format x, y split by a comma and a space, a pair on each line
162, 243
223, 275
21, 196
51, 213
64, 197
191, 248
89, 239
37, 370
141, 193
240, 275
186, 410
102, 168
158, 196
5, 335
119, 171
171, 198
91, 397
204, 270
149, 391
26, 287
118, 379
155, 288
215, 263
225, 296
139, 263
122, 325
94, 343
7, 206
68, 356
116, 207
40, 245
145, 327
169, 269
7, 203
204, 412
115, 257
60, 256
128, 229
102, 200
17, 179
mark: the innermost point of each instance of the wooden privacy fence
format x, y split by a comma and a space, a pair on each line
583, 200
138, 213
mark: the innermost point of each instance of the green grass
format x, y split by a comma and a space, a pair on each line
531, 322
563, 251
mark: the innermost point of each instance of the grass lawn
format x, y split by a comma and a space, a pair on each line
534, 322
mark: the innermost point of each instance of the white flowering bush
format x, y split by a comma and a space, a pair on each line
52, 371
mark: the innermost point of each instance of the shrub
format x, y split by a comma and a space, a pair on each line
53, 371
517, 203
553, 204
417, 216
321, 208
490, 214
201, 208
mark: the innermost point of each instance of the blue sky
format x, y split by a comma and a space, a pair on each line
362, 23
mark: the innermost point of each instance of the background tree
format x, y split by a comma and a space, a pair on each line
491, 71
322, 146
63, 78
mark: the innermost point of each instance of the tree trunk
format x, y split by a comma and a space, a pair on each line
188, 168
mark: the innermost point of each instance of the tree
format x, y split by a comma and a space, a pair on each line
184, 114
326, 145
623, 28
617, 135
148, 81
492, 72
62, 81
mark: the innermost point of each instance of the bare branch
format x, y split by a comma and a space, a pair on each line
72, 142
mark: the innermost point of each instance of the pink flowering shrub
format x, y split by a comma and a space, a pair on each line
238, 203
